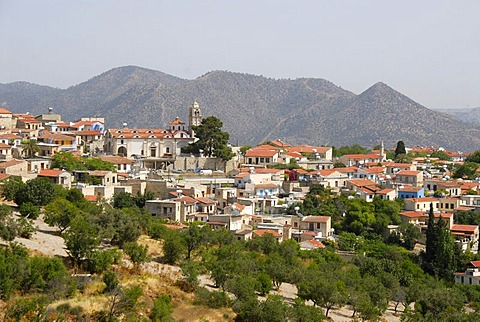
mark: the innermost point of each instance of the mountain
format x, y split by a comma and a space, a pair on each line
253, 108
469, 115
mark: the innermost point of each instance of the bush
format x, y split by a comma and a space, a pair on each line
111, 281
99, 261
162, 309
25, 228
214, 299
29, 210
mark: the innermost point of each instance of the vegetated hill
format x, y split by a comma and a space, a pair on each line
253, 108
469, 115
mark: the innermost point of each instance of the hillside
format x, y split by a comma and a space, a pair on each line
253, 108
468, 115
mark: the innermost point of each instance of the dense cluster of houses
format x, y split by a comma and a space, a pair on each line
252, 197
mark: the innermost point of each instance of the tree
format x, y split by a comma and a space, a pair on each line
473, 157
8, 225
81, 239
468, 170
211, 139
29, 210
38, 191
30, 148
136, 252
123, 200
172, 248
60, 213
162, 309
400, 149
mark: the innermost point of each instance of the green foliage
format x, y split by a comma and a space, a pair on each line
354, 149
441, 155
38, 191
162, 309
190, 271
473, 157
60, 213
212, 299
400, 149
29, 210
136, 252
123, 200
211, 139
66, 160
27, 309
300, 312
468, 170
81, 239
111, 281
264, 283
173, 248
11, 188
439, 258
467, 217
26, 228
99, 261
244, 149
8, 225
30, 148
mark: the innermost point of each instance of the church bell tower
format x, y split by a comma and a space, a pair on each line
194, 116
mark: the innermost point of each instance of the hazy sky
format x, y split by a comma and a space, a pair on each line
428, 50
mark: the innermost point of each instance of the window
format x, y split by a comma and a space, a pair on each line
318, 225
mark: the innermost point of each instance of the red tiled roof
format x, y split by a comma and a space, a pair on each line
281, 144
317, 219
266, 231
260, 153
362, 156
50, 173
464, 228
177, 121
91, 198
407, 173
361, 182
408, 188
4, 176
186, 199
87, 132
424, 199
205, 200
5, 146
316, 243
266, 186
309, 149
475, 264
10, 163
5, 111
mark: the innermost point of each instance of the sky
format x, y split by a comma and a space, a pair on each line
429, 50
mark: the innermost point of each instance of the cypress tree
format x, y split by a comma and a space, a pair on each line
431, 242
400, 148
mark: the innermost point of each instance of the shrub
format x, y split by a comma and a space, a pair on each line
111, 281
29, 210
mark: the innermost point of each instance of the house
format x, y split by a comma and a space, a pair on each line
50, 143
471, 276
256, 156
413, 178
5, 151
61, 177
14, 168
331, 179
408, 191
467, 236
178, 209
266, 190
206, 205
314, 152
97, 177
320, 226
420, 218
244, 234
360, 159
259, 233
386, 194
421, 204
124, 165
231, 222
6, 119
311, 244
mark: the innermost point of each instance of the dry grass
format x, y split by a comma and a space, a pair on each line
155, 247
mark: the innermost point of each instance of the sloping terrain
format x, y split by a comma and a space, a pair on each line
253, 108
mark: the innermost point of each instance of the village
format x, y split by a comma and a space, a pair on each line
247, 195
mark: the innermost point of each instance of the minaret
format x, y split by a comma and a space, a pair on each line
383, 157
194, 116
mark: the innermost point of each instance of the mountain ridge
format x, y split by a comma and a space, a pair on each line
253, 108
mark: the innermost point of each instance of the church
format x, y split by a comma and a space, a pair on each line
154, 144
